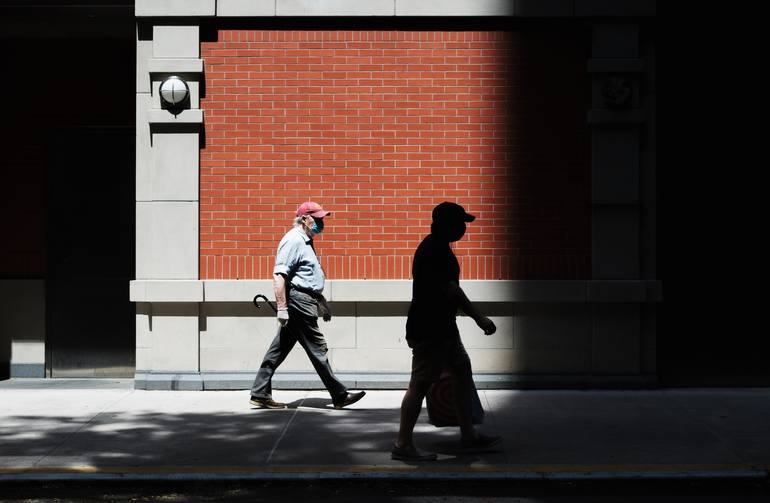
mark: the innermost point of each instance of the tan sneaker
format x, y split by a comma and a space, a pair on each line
266, 403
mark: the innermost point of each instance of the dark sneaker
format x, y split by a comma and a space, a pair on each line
350, 398
481, 443
266, 403
411, 454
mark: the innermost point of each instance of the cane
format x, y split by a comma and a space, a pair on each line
260, 296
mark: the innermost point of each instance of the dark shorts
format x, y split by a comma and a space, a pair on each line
430, 358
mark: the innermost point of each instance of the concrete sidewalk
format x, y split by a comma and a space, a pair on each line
61, 429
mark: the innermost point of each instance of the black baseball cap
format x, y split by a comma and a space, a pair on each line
447, 212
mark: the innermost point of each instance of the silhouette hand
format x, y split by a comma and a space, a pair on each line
486, 325
283, 317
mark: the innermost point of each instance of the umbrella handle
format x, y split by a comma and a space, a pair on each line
260, 296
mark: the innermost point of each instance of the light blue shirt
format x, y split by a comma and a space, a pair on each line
297, 260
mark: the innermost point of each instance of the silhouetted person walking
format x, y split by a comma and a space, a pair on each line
298, 281
431, 332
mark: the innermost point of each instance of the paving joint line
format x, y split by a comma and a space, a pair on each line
285, 429
82, 426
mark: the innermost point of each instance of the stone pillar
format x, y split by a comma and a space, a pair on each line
616, 118
167, 189
22, 328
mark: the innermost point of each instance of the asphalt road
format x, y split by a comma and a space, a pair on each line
701, 491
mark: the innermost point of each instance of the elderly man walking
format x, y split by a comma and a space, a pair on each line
431, 332
298, 280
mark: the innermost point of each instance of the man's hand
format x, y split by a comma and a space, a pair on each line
486, 325
457, 297
283, 317
323, 309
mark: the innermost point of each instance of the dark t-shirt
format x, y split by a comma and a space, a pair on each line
431, 314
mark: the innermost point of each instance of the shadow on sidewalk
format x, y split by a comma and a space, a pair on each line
311, 403
309, 435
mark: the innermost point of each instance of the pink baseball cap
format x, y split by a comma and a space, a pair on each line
313, 209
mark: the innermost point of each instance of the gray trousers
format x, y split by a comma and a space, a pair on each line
303, 328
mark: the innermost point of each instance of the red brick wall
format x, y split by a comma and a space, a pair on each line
380, 126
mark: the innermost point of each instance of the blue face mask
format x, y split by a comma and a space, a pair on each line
318, 226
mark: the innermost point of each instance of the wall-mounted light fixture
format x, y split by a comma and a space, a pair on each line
174, 92
617, 92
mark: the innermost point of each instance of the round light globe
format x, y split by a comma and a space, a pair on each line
174, 91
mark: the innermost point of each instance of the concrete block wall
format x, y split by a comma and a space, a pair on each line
22, 328
586, 333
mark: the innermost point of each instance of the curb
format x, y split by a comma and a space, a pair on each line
376, 472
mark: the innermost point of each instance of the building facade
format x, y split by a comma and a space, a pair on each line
534, 116
538, 117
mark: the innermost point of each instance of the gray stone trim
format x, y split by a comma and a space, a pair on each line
189, 116
543, 8
67, 383
615, 8
308, 8
454, 8
615, 242
629, 291
615, 65
251, 8
168, 381
654, 291
238, 290
27, 370
143, 55
617, 291
310, 380
175, 65
525, 291
166, 291
168, 150
176, 41
167, 240
371, 291
615, 170
619, 117
362, 8
175, 8
616, 72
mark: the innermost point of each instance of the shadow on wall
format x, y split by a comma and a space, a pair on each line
507, 138
5, 340
549, 185
22, 327
32, 162
5, 361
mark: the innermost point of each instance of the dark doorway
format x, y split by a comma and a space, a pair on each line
90, 243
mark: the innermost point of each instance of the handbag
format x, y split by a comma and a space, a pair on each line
441, 405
